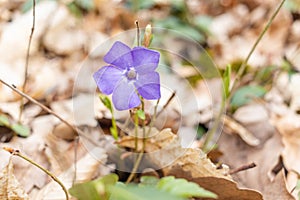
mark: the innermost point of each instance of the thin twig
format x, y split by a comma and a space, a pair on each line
27, 59
167, 103
48, 110
242, 168
244, 64
17, 153
212, 131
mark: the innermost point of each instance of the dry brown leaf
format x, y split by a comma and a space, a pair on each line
10, 188
197, 163
164, 149
226, 189
155, 143
235, 127
289, 127
277, 189
234, 35
60, 153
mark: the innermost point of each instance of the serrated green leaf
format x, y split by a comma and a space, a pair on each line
106, 102
21, 130
246, 94
130, 192
94, 190
182, 188
141, 114
4, 121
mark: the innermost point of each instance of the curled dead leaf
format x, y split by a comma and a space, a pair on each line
10, 188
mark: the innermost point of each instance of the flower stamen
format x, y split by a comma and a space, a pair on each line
131, 74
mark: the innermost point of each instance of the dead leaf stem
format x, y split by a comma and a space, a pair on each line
17, 153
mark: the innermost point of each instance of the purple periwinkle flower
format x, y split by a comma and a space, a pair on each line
130, 72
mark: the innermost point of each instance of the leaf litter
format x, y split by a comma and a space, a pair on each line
263, 134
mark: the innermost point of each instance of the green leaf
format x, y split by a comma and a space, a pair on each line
182, 188
135, 192
85, 4
74, 9
94, 190
226, 80
4, 121
203, 22
148, 180
106, 101
141, 114
180, 26
21, 130
246, 94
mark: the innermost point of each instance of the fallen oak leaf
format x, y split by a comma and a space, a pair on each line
10, 188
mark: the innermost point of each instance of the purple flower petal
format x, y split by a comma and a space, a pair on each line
148, 85
106, 78
124, 96
118, 49
124, 61
144, 60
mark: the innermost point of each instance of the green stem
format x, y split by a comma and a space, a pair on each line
140, 156
212, 131
136, 126
244, 64
153, 118
114, 126
225, 100
17, 153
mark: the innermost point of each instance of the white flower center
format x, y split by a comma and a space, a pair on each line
131, 74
